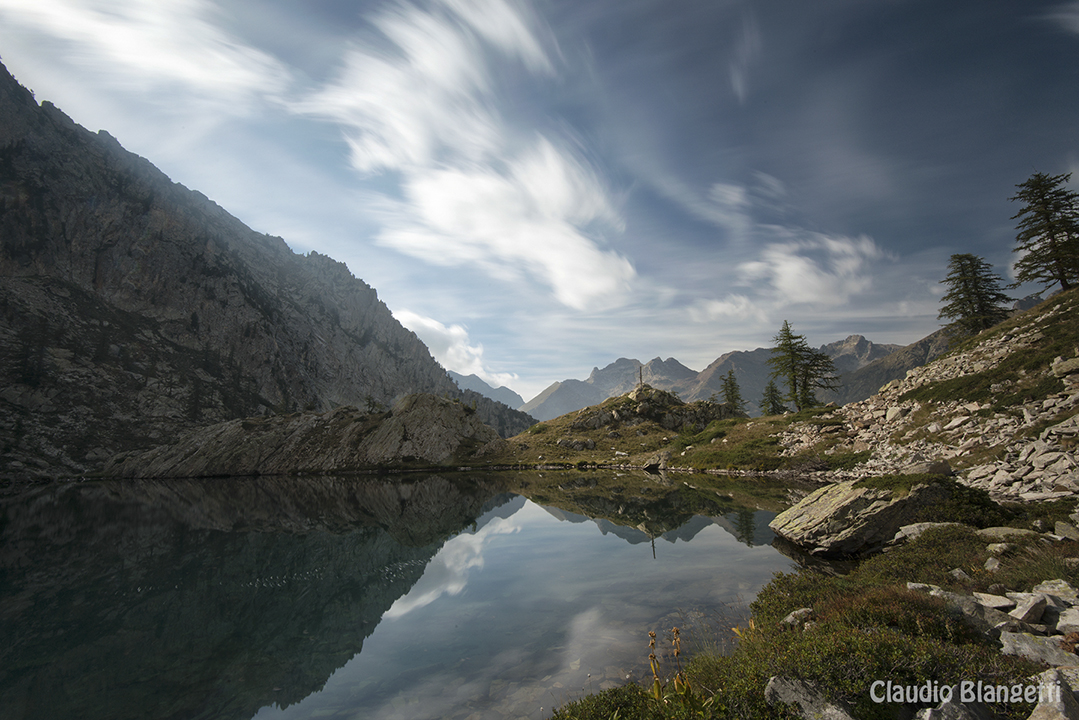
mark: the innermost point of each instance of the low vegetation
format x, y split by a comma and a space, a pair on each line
865, 626
613, 435
1023, 376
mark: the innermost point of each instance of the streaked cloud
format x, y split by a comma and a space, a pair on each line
1067, 16
472, 190
734, 306
154, 44
746, 50
404, 106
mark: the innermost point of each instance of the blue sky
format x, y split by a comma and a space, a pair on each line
536, 188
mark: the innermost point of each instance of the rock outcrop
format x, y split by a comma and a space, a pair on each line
848, 518
421, 429
1030, 442
133, 309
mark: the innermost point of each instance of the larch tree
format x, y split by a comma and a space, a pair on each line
974, 301
805, 369
1048, 228
732, 394
772, 402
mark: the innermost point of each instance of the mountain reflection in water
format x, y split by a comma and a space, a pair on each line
435, 596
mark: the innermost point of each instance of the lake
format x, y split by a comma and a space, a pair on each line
407, 597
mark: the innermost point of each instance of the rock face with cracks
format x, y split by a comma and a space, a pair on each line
421, 429
847, 519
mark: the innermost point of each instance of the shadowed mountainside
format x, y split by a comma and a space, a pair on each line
132, 309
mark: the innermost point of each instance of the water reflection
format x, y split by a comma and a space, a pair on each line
297, 598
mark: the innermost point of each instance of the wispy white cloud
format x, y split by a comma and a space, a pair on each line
502, 23
521, 206
730, 206
735, 306
527, 220
156, 44
452, 347
746, 50
402, 107
1067, 16
814, 268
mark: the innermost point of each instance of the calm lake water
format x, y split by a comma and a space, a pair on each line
436, 597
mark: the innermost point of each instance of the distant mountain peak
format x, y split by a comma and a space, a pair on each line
750, 368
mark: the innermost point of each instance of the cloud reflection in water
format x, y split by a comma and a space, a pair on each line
447, 574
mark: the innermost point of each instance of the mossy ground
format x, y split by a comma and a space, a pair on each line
736, 444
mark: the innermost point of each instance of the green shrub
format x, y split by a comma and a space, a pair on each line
631, 702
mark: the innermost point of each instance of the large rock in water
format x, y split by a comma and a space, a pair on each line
421, 429
848, 519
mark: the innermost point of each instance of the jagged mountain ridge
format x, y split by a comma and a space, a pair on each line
475, 383
133, 309
750, 370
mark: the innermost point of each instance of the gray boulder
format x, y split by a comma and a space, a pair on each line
985, 620
1039, 649
845, 519
1059, 701
952, 710
810, 701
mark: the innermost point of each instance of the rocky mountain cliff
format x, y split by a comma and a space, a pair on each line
750, 369
863, 381
132, 309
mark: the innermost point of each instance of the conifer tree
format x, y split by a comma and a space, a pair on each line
974, 300
1048, 231
732, 394
785, 359
804, 368
772, 402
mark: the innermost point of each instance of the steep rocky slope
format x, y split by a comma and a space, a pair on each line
132, 309
1002, 409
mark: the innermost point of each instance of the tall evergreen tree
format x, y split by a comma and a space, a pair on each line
772, 402
818, 373
732, 394
785, 359
974, 300
804, 368
1048, 231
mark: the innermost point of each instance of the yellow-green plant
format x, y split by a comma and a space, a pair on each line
677, 692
